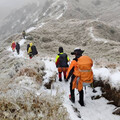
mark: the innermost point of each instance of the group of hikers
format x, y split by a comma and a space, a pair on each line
15, 46
31, 49
79, 71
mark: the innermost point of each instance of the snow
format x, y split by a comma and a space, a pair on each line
115, 80
30, 29
95, 109
14, 54
59, 16
107, 75
41, 25
22, 41
94, 38
35, 20
56, 5
101, 73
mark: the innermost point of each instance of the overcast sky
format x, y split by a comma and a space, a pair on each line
7, 5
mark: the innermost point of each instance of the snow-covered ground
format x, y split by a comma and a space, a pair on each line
94, 109
21, 54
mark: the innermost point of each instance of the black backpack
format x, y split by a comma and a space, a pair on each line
63, 60
34, 50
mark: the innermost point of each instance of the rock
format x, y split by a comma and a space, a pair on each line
117, 112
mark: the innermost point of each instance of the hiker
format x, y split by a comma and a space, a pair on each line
24, 34
18, 48
13, 45
81, 74
61, 62
70, 73
31, 50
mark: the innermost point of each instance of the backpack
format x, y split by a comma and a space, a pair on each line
63, 60
83, 69
34, 50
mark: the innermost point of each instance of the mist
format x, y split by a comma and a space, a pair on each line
7, 6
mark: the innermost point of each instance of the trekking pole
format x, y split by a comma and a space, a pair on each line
85, 89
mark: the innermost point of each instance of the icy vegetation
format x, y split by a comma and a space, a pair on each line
29, 88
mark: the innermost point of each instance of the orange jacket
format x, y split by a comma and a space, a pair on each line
77, 83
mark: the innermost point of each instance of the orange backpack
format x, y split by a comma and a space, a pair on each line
83, 69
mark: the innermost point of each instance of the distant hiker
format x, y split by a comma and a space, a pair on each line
18, 48
31, 50
24, 34
61, 62
13, 45
34, 50
80, 73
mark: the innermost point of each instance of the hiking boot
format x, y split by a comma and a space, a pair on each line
60, 79
72, 99
81, 103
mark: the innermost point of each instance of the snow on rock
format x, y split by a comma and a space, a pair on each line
30, 29
91, 30
114, 80
59, 16
56, 9
108, 76
101, 74
41, 25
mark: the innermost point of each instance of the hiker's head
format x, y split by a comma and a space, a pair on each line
77, 52
60, 49
31, 44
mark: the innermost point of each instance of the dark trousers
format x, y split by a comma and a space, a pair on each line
17, 51
81, 98
72, 90
81, 93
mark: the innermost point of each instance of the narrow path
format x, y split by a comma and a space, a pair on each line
94, 109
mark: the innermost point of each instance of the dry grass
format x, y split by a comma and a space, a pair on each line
43, 107
111, 66
28, 72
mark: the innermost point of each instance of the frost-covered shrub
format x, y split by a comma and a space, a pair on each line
31, 107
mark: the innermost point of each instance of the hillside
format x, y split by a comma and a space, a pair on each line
35, 14
30, 88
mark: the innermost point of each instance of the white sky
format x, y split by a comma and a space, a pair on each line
6, 6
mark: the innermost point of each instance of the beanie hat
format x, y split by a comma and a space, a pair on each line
60, 49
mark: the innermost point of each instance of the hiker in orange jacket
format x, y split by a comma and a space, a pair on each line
61, 62
70, 73
13, 45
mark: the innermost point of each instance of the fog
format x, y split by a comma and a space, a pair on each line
6, 6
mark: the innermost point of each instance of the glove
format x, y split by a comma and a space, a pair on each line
66, 80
